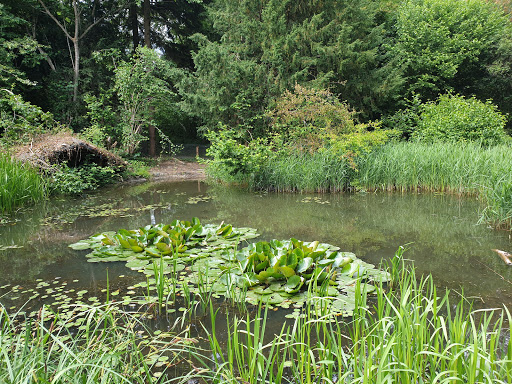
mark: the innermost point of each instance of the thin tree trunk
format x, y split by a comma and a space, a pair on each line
147, 23
147, 42
76, 40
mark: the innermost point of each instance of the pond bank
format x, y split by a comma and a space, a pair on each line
178, 170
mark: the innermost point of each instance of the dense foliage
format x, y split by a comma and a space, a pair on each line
234, 63
278, 87
453, 118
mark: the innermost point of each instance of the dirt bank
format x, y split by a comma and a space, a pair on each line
175, 170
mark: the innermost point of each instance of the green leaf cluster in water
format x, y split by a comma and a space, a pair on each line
161, 240
282, 273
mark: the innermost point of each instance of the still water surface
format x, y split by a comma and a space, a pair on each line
440, 230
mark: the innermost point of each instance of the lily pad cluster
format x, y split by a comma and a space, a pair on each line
292, 273
279, 273
161, 241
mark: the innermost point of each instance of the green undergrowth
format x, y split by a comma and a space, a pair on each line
20, 184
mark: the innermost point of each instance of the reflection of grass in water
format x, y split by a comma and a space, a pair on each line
358, 221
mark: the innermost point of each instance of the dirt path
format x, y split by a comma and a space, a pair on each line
174, 170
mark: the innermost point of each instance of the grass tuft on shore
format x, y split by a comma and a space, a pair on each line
20, 184
465, 168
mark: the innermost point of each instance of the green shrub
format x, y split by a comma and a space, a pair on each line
235, 162
308, 119
73, 181
19, 184
455, 118
20, 120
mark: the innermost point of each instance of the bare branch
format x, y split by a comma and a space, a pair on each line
47, 11
108, 14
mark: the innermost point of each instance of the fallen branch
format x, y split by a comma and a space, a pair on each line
505, 256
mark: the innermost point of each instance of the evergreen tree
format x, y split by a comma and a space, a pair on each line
265, 47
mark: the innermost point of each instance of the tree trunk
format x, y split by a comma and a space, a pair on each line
147, 42
76, 64
134, 26
147, 23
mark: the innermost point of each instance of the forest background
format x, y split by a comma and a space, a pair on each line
291, 95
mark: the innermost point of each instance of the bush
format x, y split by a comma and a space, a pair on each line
73, 181
232, 161
20, 120
308, 119
456, 119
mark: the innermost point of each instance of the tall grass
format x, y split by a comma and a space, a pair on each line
107, 346
409, 335
449, 167
452, 167
19, 184
317, 172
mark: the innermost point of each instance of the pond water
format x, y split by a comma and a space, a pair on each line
440, 230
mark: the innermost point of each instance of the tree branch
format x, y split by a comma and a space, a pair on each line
47, 11
108, 14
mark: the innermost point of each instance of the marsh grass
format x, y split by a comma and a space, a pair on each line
466, 169
410, 334
110, 346
20, 184
463, 168
285, 172
460, 168
317, 172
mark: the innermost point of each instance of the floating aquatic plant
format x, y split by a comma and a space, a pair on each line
281, 273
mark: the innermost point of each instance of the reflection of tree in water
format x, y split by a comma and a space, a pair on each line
446, 240
45, 230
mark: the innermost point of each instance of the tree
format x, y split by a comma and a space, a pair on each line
446, 45
16, 48
263, 47
83, 17
142, 85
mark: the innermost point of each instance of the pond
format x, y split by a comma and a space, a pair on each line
440, 231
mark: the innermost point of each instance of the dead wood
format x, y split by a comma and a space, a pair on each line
66, 148
505, 256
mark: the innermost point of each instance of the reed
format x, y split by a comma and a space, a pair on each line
302, 172
106, 348
464, 168
411, 334
20, 184
449, 167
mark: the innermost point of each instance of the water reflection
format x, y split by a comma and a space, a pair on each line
441, 230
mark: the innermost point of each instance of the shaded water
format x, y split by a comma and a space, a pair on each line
442, 231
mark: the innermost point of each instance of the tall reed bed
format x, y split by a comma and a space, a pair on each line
408, 335
453, 167
19, 184
317, 172
449, 167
